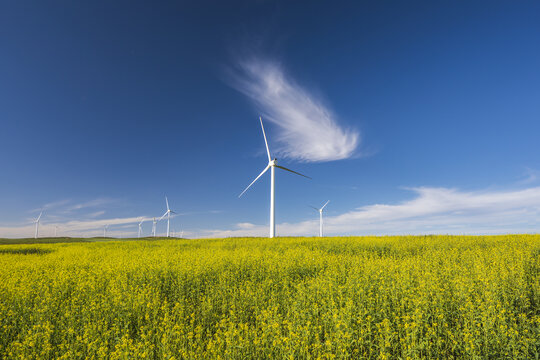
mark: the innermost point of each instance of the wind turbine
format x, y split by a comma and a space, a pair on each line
154, 227
55, 230
140, 228
37, 224
272, 164
105, 230
168, 213
320, 217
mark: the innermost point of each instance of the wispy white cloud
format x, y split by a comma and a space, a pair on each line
51, 205
74, 219
71, 228
119, 227
431, 211
91, 204
308, 130
67, 206
96, 214
530, 176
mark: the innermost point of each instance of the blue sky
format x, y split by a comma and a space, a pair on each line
411, 118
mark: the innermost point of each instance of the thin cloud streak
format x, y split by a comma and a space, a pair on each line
308, 130
66, 206
432, 211
87, 224
51, 205
530, 176
75, 228
91, 204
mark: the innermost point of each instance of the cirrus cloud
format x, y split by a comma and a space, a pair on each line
308, 130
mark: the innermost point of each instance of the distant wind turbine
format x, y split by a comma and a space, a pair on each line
105, 230
55, 230
140, 228
320, 217
272, 164
37, 225
168, 213
154, 223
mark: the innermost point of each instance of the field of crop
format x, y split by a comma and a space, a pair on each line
446, 297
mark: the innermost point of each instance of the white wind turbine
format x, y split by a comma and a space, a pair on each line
140, 228
37, 224
154, 223
105, 230
272, 164
320, 217
168, 213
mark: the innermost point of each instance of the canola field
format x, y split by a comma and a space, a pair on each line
411, 297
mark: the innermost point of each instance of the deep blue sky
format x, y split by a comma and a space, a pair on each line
119, 103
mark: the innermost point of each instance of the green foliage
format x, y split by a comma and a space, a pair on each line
428, 297
42, 240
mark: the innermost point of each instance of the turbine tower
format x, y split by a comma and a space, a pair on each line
168, 213
320, 217
37, 225
272, 164
140, 228
154, 227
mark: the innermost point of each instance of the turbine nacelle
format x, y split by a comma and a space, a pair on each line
39, 217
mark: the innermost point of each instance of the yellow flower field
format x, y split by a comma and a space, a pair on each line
412, 297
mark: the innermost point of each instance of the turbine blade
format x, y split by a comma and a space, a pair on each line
167, 201
162, 216
313, 207
297, 173
325, 205
257, 178
265, 142
39, 217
